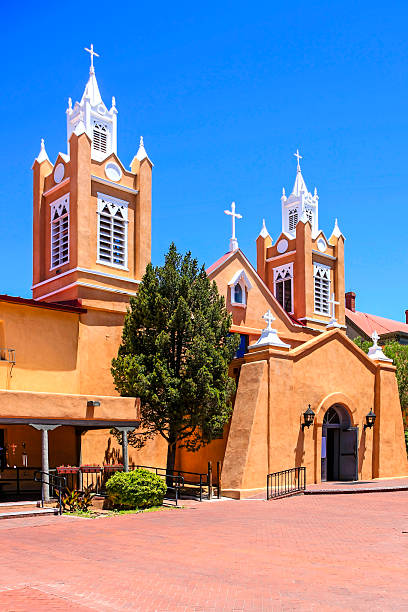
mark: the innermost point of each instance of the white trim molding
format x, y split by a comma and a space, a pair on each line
112, 232
87, 271
283, 275
103, 181
79, 284
239, 286
59, 232
56, 187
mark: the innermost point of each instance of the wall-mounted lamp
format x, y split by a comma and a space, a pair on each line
308, 416
92, 404
370, 419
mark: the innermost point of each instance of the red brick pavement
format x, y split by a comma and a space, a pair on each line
343, 552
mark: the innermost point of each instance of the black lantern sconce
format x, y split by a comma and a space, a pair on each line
370, 419
92, 403
308, 416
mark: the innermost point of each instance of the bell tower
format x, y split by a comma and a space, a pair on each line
92, 216
304, 269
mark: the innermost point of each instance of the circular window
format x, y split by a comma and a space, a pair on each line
321, 245
113, 172
59, 173
282, 245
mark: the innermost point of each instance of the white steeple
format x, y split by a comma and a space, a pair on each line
336, 230
264, 232
301, 204
42, 156
141, 154
97, 121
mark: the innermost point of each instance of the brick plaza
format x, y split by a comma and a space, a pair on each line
340, 552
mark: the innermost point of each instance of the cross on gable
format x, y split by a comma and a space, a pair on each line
268, 317
234, 215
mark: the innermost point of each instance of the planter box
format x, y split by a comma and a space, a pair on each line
91, 469
113, 468
67, 470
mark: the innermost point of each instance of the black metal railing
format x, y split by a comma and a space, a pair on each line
19, 481
286, 482
195, 484
55, 484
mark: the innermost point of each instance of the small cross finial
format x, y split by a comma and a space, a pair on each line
234, 215
375, 338
92, 53
268, 317
42, 143
299, 157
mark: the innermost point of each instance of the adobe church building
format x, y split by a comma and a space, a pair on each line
91, 244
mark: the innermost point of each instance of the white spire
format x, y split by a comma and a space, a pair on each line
80, 128
42, 156
264, 232
91, 91
336, 230
141, 154
100, 123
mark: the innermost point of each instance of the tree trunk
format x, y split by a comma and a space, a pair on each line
171, 460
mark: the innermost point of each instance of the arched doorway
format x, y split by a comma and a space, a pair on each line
339, 445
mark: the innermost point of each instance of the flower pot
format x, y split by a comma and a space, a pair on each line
113, 468
69, 469
91, 469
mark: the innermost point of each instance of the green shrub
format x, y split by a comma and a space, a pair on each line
136, 489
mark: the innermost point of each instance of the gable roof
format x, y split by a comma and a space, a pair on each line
369, 323
217, 264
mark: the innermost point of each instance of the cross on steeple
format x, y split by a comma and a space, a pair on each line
268, 317
92, 53
299, 157
234, 215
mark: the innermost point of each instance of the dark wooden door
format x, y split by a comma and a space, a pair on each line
348, 454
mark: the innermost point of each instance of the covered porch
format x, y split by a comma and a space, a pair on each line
42, 431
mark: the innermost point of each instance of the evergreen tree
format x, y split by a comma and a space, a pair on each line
175, 352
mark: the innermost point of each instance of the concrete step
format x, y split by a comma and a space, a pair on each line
14, 512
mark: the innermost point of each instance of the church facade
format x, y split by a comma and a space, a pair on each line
91, 244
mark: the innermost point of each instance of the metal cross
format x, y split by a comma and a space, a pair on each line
333, 303
92, 53
375, 338
268, 317
298, 158
234, 216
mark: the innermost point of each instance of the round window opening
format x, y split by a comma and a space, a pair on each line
113, 172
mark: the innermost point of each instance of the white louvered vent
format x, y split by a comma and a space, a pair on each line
309, 215
100, 137
321, 289
293, 219
60, 231
112, 231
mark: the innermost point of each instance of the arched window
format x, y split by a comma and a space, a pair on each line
238, 294
100, 137
293, 219
60, 232
331, 417
283, 280
112, 231
321, 289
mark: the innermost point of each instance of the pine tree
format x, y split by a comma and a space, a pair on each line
175, 352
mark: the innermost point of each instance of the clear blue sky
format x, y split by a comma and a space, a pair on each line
224, 93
